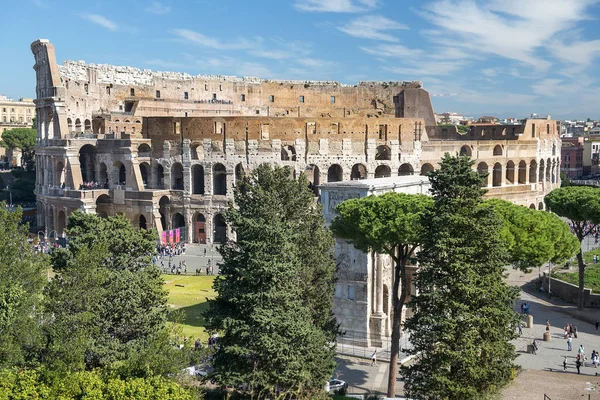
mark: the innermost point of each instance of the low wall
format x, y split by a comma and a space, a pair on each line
569, 292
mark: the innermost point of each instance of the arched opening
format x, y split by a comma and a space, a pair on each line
103, 176
497, 175
144, 169
522, 172
334, 173
142, 222
162, 209
498, 150
549, 171
199, 229
383, 171
197, 151
78, 125
405, 169
87, 162
177, 176
540, 206
177, 221
220, 233
59, 174
87, 126
465, 151
103, 206
314, 178
160, 177
197, 179
533, 172
482, 169
383, 153
288, 153
70, 124
144, 150
120, 174
219, 180
532, 206
359, 171
426, 169
553, 149
510, 172
542, 172
239, 172
60, 222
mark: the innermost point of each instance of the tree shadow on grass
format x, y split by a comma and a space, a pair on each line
190, 315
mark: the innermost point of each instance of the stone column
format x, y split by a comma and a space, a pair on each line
379, 285
189, 231
208, 228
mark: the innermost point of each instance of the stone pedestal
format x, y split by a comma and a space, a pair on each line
547, 336
530, 321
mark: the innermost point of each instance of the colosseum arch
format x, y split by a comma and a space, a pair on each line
163, 204
359, 171
482, 169
103, 175
540, 205
405, 169
313, 174
497, 175
120, 173
510, 172
426, 168
59, 174
141, 221
145, 173
532, 206
61, 222
498, 150
542, 172
383, 171
70, 124
158, 177
383, 153
144, 150
533, 171
87, 126
197, 179
288, 153
553, 169
220, 229
548, 170
103, 205
465, 151
239, 171
335, 173
177, 221
87, 162
77, 125
177, 176
522, 172
197, 151
219, 180
199, 228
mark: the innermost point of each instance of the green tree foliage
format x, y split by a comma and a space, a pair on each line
34, 384
275, 289
581, 205
463, 318
23, 139
107, 304
534, 237
21, 284
21, 188
388, 224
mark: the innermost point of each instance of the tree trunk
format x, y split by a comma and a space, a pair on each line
581, 279
397, 306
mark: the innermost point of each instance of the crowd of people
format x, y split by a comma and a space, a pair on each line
45, 247
171, 249
90, 186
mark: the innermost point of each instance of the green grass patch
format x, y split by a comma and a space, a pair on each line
189, 293
591, 276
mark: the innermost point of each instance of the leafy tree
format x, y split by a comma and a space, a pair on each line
21, 286
275, 289
21, 189
107, 302
581, 205
388, 224
534, 237
23, 139
463, 320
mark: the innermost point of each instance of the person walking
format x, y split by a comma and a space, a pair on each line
581, 350
569, 343
578, 364
520, 329
547, 325
565, 364
534, 347
374, 359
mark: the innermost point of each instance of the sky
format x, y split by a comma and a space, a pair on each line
507, 58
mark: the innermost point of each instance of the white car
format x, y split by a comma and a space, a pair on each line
335, 384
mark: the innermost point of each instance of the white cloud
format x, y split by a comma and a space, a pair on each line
102, 21
393, 51
490, 72
372, 27
41, 4
316, 63
157, 8
340, 6
426, 68
207, 41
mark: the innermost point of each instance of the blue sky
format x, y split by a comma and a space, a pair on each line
498, 57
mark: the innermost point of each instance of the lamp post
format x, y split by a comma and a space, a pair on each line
549, 277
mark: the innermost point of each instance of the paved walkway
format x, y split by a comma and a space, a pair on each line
195, 258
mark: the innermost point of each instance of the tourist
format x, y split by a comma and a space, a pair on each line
569, 343
374, 359
595, 359
581, 350
575, 331
534, 347
565, 364
578, 364
547, 325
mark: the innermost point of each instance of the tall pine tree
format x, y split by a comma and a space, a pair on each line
275, 290
463, 319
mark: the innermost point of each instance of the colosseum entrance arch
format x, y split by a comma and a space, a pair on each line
87, 162
219, 180
200, 229
335, 173
383, 171
359, 171
220, 227
405, 169
314, 178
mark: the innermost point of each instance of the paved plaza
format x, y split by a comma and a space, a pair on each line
197, 256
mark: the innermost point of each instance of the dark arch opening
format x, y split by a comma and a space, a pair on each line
383, 153
220, 232
465, 151
197, 179
359, 171
383, 171
142, 222
144, 168
405, 169
177, 176
426, 168
334, 173
219, 180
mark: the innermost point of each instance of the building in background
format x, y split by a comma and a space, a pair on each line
572, 152
14, 114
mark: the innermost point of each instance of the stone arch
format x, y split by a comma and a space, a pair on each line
70, 124
497, 175
510, 172
103, 175
313, 174
465, 151
553, 178
177, 176
159, 174
120, 173
542, 172
78, 125
59, 174
541, 205
383, 152
359, 171
197, 151
426, 168
87, 162
61, 222
177, 221
197, 179
142, 224
220, 229
163, 203
532, 206
239, 171
548, 170
533, 172
482, 169
383, 171
554, 149
522, 179
219, 180
288, 153
144, 172
335, 173
405, 169
498, 150
199, 228
103, 205
144, 150
87, 126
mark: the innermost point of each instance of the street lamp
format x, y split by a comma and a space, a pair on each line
549, 277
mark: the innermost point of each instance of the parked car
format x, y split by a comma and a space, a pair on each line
334, 385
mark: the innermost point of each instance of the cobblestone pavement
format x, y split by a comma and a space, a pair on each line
362, 378
195, 258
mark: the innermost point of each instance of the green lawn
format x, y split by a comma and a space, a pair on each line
189, 293
592, 277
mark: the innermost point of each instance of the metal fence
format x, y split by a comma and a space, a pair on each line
353, 344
